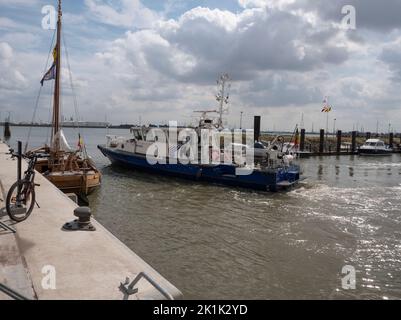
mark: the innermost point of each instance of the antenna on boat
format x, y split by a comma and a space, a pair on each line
222, 97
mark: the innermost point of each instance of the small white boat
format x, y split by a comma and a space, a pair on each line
374, 147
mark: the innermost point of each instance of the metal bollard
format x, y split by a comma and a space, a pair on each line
83, 223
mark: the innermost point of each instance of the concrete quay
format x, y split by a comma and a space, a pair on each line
41, 261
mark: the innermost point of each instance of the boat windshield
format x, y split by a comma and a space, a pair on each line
137, 134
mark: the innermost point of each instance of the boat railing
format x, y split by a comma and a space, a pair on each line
129, 288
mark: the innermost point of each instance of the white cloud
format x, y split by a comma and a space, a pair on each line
6, 23
16, 3
283, 57
123, 13
10, 77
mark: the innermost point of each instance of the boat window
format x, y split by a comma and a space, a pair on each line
137, 135
150, 137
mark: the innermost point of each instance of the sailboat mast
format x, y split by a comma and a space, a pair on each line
56, 106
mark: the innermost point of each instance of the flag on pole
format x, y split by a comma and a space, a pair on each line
49, 75
80, 142
326, 106
55, 54
327, 109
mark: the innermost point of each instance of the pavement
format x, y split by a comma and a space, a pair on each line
41, 261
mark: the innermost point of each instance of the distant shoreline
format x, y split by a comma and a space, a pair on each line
123, 126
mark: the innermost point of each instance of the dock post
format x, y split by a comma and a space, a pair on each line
321, 141
256, 128
302, 143
7, 131
368, 135
339, 134
391, 140
19, 166
353, 143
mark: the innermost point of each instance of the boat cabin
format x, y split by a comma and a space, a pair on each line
374, 143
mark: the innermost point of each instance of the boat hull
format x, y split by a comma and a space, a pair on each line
80, 182
374, 152
220, 174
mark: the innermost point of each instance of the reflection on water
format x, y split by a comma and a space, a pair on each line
218, 242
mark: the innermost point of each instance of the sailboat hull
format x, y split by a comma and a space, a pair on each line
83, 181
75, 183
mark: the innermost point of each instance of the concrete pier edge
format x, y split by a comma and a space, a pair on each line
88, 265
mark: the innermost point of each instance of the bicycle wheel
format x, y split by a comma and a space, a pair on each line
20, 205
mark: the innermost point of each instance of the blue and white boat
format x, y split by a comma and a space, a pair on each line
273, 175
375, 147
273, 170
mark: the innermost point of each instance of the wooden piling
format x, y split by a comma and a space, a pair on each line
256, 128
353, 143
391, 140
339, 134
7, 131
302, 143
321, 141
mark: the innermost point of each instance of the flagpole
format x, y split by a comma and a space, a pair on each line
327, 119
56, 108
327, 126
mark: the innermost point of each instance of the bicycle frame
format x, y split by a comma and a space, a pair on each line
29, 176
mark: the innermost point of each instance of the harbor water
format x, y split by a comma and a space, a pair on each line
216, 242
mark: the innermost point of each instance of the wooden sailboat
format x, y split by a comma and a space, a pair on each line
72, 171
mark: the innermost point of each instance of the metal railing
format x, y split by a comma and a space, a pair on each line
128, 289
11, 293
6, 227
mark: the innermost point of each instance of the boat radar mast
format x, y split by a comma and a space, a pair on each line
222, 97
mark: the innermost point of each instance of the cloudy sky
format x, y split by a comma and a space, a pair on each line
159, 60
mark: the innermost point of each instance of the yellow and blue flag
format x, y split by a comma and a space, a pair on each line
327, 109
49, 75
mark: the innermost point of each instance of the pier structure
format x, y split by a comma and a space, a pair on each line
322, 147
41, 261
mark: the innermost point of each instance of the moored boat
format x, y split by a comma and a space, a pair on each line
273, 171
71, 170
374, 147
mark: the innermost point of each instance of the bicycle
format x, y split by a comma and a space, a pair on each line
21, 198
